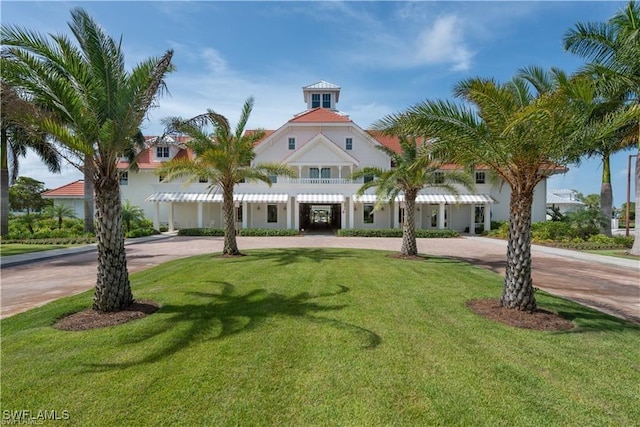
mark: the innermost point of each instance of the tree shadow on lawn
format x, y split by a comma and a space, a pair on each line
225, 315
288, 256
575, 310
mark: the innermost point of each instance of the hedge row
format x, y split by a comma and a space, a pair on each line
219, 232
395, 232
53, 241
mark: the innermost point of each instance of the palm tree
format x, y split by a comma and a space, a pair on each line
131, 213
605, 131
413, 169
100, 107
60, 212
224, 158
612, 47
16, 136
520, 137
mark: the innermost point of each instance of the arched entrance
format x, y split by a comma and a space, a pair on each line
318, 217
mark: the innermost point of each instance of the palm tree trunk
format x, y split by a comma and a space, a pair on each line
4, 183
518, 290
113, 290
409, 245
606, 196
230, 244
88, 195
635, 250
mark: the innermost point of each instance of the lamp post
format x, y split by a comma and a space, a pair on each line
626, 218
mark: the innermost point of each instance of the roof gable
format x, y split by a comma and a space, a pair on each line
320, 149
71, 190
320, 115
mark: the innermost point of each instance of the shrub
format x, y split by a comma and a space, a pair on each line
141, 232
216, 232
395, 232
267, 232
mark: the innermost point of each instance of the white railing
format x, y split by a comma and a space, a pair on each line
320, 181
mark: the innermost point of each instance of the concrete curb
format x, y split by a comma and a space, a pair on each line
15, 260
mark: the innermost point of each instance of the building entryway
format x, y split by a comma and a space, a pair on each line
320, 217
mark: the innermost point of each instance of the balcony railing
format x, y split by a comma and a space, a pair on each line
322, 181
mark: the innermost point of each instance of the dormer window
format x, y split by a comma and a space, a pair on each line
292, 143
315, 100
162, 152
326, 100
348, 144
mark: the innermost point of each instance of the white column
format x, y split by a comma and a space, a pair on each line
199, 214
296, 215
288, 208
245, 214
487, 217
156, 215
170, 212
441, 216
472, 221
343, 215
352, 205
396, 214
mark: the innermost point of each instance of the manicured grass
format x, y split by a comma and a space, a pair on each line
7, 249
321, 337
620, 253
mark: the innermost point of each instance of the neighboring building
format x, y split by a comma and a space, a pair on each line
564, 200
71, 195
323, 146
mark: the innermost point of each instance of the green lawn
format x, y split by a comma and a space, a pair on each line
301, 337
620, 253
7, 249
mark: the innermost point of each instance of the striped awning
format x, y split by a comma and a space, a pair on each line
463, 199
265, 198
320, 198
216, 197
365, 198
185, 197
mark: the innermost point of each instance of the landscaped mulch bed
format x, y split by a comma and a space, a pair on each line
539, 319
92, 319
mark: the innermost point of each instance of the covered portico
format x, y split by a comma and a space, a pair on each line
479, 209
243, 203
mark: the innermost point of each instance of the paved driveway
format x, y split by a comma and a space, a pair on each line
609, 284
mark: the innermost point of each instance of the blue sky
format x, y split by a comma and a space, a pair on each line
386, 56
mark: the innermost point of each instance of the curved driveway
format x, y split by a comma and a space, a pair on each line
608, 284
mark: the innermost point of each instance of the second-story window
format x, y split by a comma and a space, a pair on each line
292, 143
274, 179
162, 152
124, 178
203, 179
348, 144
438, 178
315, 100
326, 100
481, 177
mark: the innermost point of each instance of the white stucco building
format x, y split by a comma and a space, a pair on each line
323, 146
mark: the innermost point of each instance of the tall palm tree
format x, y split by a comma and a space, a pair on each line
100, 106
520, 137
605, 131
16, 136
414, 168
224, 158
612, 47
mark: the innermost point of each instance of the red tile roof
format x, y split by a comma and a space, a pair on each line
72, 190
146, 159
320, 115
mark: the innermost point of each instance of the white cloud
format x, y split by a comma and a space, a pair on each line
214, 61
443, 43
